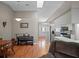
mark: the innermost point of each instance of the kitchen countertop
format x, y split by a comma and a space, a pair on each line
67, 40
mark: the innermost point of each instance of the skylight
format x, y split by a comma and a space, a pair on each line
40, 4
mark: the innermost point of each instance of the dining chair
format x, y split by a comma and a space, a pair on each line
3, 53
3, 50
13, 44
10, 47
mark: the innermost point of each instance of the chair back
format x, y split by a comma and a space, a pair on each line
13, 41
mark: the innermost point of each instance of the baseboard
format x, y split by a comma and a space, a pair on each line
35, 43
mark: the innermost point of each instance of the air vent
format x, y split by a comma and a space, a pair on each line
26, 4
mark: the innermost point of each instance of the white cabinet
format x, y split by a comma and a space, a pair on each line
75, 15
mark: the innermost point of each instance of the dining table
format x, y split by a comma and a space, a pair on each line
3, 43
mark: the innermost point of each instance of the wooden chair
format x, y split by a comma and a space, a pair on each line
3, 52
10, 46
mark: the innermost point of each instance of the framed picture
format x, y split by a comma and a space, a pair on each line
23, 25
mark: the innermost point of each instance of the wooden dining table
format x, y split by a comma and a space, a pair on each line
3, 43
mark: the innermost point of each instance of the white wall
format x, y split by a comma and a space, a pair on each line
27, 17
64, 20
6, 14
13, 27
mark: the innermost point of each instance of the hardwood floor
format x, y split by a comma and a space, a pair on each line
29, 51
33, 51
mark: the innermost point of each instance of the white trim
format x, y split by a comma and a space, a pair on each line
35, 43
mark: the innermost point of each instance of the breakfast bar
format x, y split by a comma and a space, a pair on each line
66, 46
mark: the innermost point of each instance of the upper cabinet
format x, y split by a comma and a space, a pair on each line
75, 12
75, 15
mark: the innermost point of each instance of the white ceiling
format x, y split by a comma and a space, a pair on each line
75, 4
64, 7
44, 13
22, 5
48, 9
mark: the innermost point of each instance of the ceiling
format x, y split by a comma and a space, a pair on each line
22, 5
75, 4
49, 7
62, 9
67, 5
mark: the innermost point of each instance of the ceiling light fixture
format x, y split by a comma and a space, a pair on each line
18, 19
40, 4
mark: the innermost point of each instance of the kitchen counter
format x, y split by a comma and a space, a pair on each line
67, 40
66, 46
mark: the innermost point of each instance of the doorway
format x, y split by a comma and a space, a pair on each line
44, 32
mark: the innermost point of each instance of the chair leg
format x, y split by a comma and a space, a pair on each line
4, 51
13, 50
